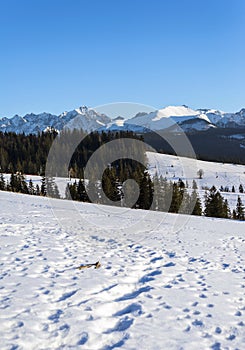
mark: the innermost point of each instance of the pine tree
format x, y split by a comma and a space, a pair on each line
157, 193
93, 192
196, 203
43, 190
52, 188
165, 194
215, 205
81, 192
241, 188
176, 199
226, 210
2, 183
240, 213
71, 191
146, 191
110, 186
37, 191
31, 189
194, 185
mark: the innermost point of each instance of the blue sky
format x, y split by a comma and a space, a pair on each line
59, 54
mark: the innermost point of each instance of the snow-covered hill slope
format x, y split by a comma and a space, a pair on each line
166, 281
215, 174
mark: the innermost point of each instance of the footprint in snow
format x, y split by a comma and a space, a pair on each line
83, 338
66, 295
134, 294
56, 316
150, 276
121, 326
135, 309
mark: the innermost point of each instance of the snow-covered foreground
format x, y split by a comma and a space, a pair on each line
166, 281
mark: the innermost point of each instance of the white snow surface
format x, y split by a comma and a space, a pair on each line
166, 282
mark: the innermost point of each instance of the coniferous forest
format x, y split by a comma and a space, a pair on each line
27, 154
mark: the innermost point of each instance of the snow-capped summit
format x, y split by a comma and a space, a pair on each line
175, 111
188, 119
169, 117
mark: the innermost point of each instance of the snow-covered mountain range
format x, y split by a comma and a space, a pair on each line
89, 120
80, 118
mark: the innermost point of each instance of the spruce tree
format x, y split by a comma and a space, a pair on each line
215, 205
2, 183
240, 213
31, 189
196, 203
176, 198
146, 191
194, 185
43, 190
81, 192
52, 188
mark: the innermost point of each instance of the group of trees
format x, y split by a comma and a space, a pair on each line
114, 188
226, 189
28, 153
125, 182
18, 183
24, 153
157, 194
217, 206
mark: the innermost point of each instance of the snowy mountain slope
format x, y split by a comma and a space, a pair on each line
164, 118
200, 119
80, 118
121, 124
215, 174
160, 288
90, 120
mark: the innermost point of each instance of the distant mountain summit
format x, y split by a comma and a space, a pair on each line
188, 119
89, 120
80, 118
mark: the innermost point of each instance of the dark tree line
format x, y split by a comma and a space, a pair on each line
28, 153
158, 194
18, 183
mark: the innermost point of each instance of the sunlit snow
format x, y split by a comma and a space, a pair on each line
166, 282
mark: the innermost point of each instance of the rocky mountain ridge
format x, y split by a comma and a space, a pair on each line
88, 119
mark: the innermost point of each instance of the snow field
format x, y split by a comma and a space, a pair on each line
159, 288
215, 174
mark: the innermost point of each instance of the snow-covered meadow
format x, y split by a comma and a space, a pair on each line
166, 282
214, 174
174, 168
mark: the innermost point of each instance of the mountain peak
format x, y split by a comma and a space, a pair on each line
82, 110
176, 111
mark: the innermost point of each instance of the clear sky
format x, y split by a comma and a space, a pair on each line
59, 54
